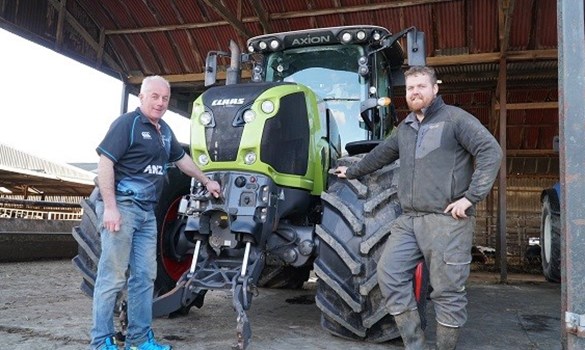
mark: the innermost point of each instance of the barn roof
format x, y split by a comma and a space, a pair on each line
24, 174
477, 46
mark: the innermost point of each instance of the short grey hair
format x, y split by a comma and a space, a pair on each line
422, 70
146, 82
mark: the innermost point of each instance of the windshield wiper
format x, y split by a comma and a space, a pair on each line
341, 99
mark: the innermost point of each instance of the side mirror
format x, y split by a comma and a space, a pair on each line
211, 68
415, 43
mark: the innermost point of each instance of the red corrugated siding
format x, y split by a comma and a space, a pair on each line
484, 26
451, 31
546, 28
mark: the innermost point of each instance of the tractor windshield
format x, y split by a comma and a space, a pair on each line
332, 73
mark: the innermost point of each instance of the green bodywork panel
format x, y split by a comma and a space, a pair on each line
314, 180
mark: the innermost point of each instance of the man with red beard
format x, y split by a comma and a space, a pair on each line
448, 163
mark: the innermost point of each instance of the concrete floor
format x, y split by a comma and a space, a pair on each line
41, 307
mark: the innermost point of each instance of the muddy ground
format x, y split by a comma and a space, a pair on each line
41, 307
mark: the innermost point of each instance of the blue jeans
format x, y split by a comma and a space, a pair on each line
133, 248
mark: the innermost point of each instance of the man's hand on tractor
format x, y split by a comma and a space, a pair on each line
213, 187
340, 171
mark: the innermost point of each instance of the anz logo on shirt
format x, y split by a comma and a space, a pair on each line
154, 170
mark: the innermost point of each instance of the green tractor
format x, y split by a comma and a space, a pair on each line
317, 99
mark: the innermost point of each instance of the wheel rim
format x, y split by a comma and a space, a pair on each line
173, 243
547, 238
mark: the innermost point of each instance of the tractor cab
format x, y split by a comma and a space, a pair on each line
351, 69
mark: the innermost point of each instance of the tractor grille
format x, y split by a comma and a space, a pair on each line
228, 103
224, 139
285, 140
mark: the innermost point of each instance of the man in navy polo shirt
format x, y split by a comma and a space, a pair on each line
134, 156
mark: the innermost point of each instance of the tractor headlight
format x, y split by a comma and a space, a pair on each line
361, 35
249, 116
262, 45
203, 159
205, 118
250, 158
267, 107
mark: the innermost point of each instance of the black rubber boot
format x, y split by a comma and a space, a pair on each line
410, 329
447, 337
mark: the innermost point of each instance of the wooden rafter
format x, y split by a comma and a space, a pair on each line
263, 16
229, 17
86, 36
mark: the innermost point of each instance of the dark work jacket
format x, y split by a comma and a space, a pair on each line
437, 159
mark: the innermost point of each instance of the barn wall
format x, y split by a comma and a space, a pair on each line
523, 218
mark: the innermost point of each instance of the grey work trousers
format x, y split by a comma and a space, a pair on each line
445, 243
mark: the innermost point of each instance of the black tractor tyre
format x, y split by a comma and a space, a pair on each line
355, 225
89, 244
550, 239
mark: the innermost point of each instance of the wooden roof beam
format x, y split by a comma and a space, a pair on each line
493, 57
530, 105
229, 17
263, 16
85, 35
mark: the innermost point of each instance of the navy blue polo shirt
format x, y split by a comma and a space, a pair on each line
141, 155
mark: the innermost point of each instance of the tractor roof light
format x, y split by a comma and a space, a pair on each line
249, 116
250, 158
376, 36
267, 107
360, 35
274, 44
205, 118
346, 37
250, 48
262, 45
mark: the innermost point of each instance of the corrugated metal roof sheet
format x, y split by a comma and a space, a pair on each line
19, 170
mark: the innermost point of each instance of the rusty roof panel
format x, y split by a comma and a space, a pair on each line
522, 22
546, 26
190, 11
451, 29
483, 26
188, 48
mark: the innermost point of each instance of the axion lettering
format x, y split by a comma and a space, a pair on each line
323, 39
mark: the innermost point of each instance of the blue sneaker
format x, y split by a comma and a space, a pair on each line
110, 344
150, 344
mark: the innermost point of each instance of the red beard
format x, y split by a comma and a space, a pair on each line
416, 105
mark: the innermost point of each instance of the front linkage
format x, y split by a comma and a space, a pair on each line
228, 233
